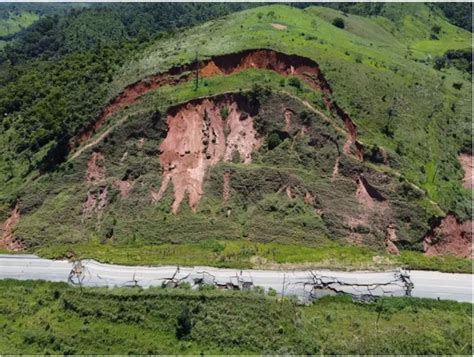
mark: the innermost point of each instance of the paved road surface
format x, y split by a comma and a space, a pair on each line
304, 284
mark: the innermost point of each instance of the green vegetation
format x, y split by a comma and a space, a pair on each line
11, 23
52, 318
245, 254
413, 118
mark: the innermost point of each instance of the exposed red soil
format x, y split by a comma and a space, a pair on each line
367, 195
96, 199
281, 63
467, 166
390, 238
309, 198
288, 114
449, 237
374, 207
7, 240
124, 187
95, 168
95, 203
198, 138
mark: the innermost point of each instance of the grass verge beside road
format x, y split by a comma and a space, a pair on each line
243, 254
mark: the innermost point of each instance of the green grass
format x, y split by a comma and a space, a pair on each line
16, 22
245, 254
53, 318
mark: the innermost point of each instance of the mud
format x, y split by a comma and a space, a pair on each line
7, 239
281, 63
467, 166
449, 237
198, 138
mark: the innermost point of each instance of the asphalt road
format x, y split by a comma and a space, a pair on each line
303, 284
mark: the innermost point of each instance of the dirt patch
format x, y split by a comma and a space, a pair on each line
124, 187
279, 26
449, 237
198, 138
390, 239
95, 203
335, 170
374, 211
288, 114
367, 195
96, 199
7, 240
467, 166
95, 168
281, 63
309, 198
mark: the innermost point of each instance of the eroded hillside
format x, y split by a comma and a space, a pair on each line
261, 145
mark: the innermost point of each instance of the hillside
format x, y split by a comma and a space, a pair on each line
351, 144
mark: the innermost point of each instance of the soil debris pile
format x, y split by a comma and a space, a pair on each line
449, 237
96, 199
7, 239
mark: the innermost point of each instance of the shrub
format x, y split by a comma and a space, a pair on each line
294, 82
273, 141
183, 323
338, 22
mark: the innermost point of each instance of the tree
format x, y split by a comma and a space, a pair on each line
338, 22
273, 141
183, 323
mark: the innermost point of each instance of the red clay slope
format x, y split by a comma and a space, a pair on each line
198, 138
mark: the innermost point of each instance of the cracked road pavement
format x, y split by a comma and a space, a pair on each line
304, 284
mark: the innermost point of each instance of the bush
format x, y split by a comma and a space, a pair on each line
183, 323
294, 82
338, 22
273, 141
